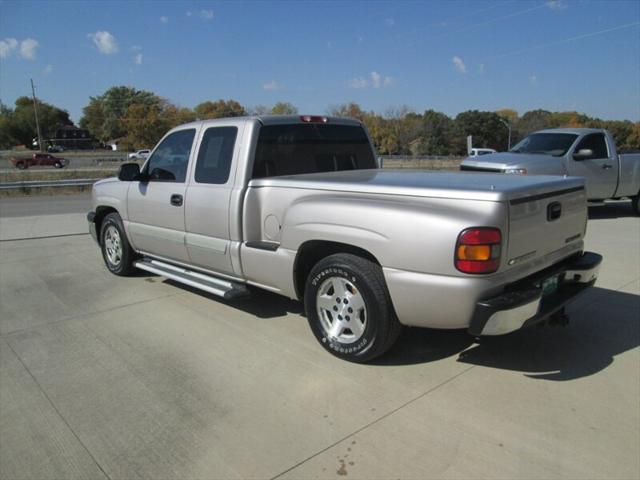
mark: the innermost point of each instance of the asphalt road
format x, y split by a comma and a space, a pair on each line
118, 378
44, 205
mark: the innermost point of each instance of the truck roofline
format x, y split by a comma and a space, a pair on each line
269, 120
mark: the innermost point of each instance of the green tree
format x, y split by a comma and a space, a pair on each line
436, 133
20, 122
485, 127
103, 115
284, 108
219, 109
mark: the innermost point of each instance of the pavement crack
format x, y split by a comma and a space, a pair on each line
55, 408
373, 422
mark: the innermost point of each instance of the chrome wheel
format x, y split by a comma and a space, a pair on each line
341, 310
113, 245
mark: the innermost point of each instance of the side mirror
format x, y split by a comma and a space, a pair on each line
583, 153
129, 172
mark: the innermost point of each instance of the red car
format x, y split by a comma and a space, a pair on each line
39, 159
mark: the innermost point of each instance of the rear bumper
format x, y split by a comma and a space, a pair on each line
523, 303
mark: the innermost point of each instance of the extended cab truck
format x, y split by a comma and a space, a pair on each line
581, 152
297, 206
38, 159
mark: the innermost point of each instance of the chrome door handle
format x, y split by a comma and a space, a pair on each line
607, 167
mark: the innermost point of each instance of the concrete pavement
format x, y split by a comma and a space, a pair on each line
120, 378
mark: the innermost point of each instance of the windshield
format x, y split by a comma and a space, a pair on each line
310, 148
555, 144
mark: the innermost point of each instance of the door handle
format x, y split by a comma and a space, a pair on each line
176, 200
607, 167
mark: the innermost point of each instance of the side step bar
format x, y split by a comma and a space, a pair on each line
208, 283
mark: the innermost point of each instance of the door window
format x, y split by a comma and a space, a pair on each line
170, 160
215, 155
596, 143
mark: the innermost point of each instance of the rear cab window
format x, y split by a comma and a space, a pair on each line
310, 148
215, 155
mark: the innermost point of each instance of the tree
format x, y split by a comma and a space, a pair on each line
284, 108
219, 109
351, 110
532, 121
486, 128
103, 115
20, 123
508, 114
146, 123
436, 132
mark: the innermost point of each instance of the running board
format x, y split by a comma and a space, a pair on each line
201, 281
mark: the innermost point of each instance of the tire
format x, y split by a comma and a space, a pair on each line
117, 253
635, 203
57, 165
21, 165
349, 308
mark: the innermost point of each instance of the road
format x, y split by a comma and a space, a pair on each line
115, 378
44, 205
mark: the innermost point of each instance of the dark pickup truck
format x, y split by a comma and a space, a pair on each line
38, 159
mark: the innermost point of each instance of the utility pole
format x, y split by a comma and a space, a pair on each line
35, 111
507, 124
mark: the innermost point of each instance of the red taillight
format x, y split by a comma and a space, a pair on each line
313, 119
478, 250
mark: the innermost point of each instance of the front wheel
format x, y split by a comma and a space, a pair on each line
21, 165
635, 203
349, 308
117, 253
57, 165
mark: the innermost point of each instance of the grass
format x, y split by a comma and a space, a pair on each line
54, 174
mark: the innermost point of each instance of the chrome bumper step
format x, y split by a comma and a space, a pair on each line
208, 283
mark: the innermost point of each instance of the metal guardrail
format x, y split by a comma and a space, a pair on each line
76, 182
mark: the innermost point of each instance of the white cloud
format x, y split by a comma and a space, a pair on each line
459, 64
481, 68
533, 80
104, 41
47, 70
360, 40
389, 22
206, 14
7, 46
189, 13
556, 4
271, 86
164, 19
136, 48
376, 80
28, 48
358, 83
137, 59
329, 45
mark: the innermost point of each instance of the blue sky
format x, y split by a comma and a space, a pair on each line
446, 55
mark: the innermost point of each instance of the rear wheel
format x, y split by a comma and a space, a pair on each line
117, 253
21, 165
349, 308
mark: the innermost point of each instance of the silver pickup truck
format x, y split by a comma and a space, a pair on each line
297, 206
581, 152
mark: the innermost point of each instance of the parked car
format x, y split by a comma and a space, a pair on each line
55, 148
585, 152
139, 155
38, 159
477, 152
297, 206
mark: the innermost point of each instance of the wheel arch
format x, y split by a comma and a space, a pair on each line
101, 212
312, 251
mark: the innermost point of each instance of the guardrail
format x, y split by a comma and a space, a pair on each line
76, 182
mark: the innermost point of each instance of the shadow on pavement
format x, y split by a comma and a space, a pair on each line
607, 326
611, 210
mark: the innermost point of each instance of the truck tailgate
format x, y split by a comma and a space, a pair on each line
544, 222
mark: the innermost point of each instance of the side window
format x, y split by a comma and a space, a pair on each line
215, 155
170, 160
595, 142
